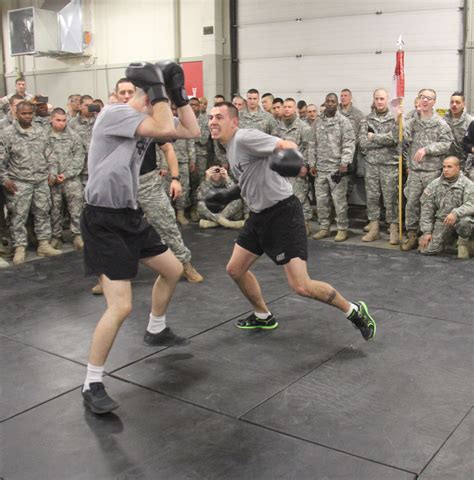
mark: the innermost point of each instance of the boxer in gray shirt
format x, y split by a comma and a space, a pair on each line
275, 225
116, 236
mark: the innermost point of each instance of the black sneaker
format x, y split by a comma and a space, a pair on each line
166, 338
252, 322
362, 320
97, 399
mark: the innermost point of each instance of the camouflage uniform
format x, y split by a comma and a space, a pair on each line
299, 132
357, 118
335, 146
156, 206
82, 126
5, 102
186, 154
65, 154
441, 198
23, 160
458, 128
6, 121
261, 120
233, 211
43, 122
381, 165
435, 136
201, 145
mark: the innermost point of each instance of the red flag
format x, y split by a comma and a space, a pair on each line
398, 90
399, 75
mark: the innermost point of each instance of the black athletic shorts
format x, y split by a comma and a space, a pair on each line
115, 240
278, 231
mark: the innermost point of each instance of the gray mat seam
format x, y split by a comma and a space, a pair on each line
445, 441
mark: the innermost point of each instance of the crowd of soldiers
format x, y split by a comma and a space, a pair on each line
43, 169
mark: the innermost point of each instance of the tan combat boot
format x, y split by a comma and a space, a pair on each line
56, 243
224, 222
19, 256
463, 248
411, 242
323, 233
77, 243
194, 215
394, 240
207, 223
3, 263
367, 227
341, 236
373, 233
46, 250
182, 220
191, 274
97, 289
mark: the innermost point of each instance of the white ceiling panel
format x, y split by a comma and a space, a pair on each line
370, 33
266, 11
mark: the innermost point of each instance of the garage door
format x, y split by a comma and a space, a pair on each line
305, 49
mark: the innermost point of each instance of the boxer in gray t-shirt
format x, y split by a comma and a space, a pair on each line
275, 226
116, 236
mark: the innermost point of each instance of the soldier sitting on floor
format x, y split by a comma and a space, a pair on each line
447, 207
217, 179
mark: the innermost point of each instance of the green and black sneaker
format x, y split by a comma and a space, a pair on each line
362, 320
252, 322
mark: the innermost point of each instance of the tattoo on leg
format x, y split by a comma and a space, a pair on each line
331, 296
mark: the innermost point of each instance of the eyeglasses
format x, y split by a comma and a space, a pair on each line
428, 99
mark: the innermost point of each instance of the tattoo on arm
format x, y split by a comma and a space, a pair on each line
331, 296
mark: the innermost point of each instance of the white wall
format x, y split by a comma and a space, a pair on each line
123, 31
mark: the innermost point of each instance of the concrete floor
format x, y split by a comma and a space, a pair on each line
309, 400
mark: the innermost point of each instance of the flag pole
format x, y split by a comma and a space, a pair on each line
400, 72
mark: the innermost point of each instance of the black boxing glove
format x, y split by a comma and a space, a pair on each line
287, 163
149, 78
174, 80
215, 202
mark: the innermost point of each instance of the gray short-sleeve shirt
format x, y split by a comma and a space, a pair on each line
248, 154
114, 159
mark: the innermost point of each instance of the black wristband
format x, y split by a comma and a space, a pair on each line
178, 178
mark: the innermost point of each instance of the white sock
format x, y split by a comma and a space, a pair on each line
262, 316
156, 324
94, 374
352, 307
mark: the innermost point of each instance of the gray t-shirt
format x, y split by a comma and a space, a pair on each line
248, 154
115, 157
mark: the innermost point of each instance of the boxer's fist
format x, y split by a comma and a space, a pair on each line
149, 78
215, 202
174, 81
287, 163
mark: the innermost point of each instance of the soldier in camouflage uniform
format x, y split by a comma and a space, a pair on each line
254, 116
356, 117
73, 106
217, 179
293, 128
186, 155
201, 145
447, 207
458, 120
41, 118
24, 174
20, 90
82, 125
429, 139
381, 167
468, 145
157, 208
65, 155
335, 146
